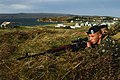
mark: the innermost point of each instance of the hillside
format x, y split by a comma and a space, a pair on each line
32, 15
47, 15
81, 65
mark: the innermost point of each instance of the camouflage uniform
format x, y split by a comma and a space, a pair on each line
111, 48
104, 57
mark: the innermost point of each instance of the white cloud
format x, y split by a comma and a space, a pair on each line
14, 8
19, 6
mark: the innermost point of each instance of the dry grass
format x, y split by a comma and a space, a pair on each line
117, 37
81, 65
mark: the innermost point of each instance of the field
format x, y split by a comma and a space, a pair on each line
81, 65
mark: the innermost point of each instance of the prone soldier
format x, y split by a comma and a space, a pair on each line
94, 37
105, 45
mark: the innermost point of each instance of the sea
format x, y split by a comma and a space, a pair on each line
26, 21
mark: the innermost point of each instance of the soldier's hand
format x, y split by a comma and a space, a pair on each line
89, 44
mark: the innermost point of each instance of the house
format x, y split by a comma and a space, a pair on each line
77, 25
60, 25
86, 23
72, 27
9, 24
5, 24
115, 19
82, 24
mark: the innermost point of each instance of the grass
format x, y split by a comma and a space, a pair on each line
117, 37
81, 65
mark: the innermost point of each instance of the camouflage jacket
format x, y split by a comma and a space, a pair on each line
105, 58
106, 46
109, 45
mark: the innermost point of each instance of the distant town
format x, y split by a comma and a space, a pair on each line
61, 20
80, 21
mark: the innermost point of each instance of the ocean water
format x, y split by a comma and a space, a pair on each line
25, 21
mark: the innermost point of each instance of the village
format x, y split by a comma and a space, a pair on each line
78, 23
70, 22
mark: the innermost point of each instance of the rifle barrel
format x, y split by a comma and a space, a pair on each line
29, 56
58, 49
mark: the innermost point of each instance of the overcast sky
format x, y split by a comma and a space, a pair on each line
77, 7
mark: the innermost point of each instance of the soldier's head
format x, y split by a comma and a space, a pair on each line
104, 28
94, 35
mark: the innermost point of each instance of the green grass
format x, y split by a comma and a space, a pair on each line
81, 65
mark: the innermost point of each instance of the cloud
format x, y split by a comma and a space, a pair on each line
61, 6
19, 6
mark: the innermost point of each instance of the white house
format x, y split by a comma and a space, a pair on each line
89, 24
115, 19
71, 21
82, 24
60, 25
9, 24
86, 23
5, 24
72, 27
77, 25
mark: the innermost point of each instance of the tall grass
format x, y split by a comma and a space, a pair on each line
81, 65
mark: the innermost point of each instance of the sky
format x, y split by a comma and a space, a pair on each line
76, 7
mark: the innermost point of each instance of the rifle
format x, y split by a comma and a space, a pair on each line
77, 44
